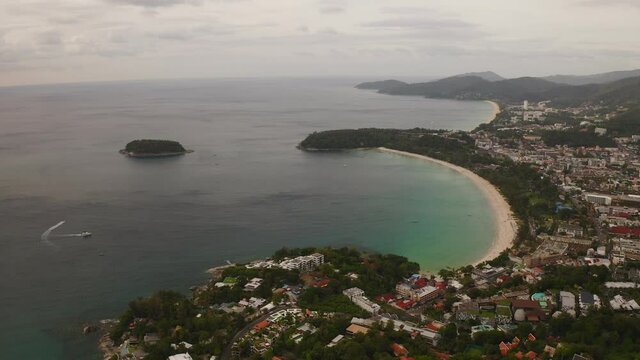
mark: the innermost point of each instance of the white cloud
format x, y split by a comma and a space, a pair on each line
113, 39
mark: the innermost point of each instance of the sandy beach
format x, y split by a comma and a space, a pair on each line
494, 113
506, 226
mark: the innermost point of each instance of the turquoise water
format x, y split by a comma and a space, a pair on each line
245, 192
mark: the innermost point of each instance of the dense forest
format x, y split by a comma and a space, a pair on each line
154, 147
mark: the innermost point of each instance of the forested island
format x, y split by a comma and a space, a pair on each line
153, 148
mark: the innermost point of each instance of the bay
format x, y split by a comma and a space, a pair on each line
245, 192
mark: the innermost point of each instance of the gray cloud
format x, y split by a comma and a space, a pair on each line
609, 3
332, 10
155, 3
420, 23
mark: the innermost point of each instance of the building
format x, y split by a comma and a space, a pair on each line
355, 329
303, 263
356, 295
588, 301
426, 293
527, 310
570, 229
184, 356
620, 303
568, 302
488, 272
598, 199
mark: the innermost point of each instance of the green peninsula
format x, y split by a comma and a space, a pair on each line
154, 148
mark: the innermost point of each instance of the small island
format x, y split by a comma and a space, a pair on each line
154, 148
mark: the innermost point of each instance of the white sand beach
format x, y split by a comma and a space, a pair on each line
506, 226
494, 113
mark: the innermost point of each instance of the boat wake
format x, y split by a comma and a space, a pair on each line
47, 234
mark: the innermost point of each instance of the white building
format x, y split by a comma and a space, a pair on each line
426, 293
568, 302
184, 356
356, 295
303, 263
598, 199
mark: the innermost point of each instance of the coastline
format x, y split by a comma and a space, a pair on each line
505, 224
496, 111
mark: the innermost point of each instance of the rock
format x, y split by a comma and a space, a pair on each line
88, 329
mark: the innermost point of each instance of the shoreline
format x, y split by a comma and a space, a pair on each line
505, 224
496, 111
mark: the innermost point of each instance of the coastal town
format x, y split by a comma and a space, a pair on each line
570, 263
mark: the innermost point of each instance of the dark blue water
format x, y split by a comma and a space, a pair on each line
245, 192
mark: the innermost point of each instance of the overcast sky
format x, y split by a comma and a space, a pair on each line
45, 41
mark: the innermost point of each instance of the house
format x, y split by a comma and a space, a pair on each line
568, 302
253, 284
151, 338
588, 301
336, 340
480, 328
184, 356
399, 350
354, 329
570, 229
261, 325
527, 310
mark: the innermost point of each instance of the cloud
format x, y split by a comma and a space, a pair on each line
419, 23
608, 3
332, 10
155, 3
49, 38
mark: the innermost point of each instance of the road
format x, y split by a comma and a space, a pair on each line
226, 353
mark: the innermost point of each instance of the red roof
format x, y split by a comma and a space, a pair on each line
420, 283
385, 297
322, 283
399, 350
624, 230
404, 304
261, 325
531, 337
531, 355
432, 327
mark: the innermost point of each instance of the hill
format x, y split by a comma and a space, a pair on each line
486, 75
476, 88
593, 79
380, 85
621, 92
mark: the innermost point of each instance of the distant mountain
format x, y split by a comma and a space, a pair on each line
621, 92
486, 75
593, 79
462, 87
475, 88
381, 85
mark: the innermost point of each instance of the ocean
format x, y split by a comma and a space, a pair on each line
245, 192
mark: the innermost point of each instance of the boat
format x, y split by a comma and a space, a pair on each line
85, 234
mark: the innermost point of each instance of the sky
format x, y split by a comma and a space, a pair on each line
59, 41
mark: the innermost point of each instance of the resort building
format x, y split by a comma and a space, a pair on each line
598, 199
356, 295
303, 263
